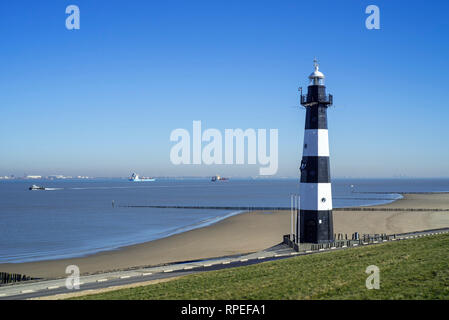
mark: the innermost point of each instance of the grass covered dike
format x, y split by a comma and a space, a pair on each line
409, 269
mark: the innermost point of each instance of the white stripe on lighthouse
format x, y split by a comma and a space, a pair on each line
316, 196
316, 143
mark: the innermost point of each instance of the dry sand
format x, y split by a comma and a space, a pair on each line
244, 233
391, 222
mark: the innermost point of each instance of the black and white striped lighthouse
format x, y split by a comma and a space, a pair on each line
315, 215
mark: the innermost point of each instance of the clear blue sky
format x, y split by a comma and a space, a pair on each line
103, 100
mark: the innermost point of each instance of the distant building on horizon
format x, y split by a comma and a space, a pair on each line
33, 177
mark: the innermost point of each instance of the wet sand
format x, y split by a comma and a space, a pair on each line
245, 233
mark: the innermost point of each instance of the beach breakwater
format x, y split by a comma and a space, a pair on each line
249, 208
6, 277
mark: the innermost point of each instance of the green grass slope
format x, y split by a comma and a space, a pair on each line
410, 269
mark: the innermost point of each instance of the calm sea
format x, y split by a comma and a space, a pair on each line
76, 217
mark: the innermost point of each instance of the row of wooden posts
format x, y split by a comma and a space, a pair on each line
364, 237
341, 240
6, 277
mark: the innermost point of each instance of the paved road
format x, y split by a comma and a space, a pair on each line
52, 287
131, 280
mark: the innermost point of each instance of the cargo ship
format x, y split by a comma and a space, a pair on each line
218, 178
136, 178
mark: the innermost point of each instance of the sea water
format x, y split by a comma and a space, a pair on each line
76, 217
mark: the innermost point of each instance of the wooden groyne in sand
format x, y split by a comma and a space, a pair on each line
249, 208
6, 277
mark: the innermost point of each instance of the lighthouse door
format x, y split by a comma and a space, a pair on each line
310, 234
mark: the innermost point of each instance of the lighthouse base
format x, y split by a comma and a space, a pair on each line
316, 226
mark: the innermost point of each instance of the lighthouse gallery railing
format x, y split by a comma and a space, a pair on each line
326, 99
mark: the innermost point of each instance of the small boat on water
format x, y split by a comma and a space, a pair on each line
136, 178
35, 187
218, 178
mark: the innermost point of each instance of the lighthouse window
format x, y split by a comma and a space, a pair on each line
323, 200
305, 145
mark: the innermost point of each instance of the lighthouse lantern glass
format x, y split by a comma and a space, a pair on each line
317, 81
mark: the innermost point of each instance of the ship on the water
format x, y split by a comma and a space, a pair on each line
35, 187
136, 178
218, 178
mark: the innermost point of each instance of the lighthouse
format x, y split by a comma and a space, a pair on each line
314, 224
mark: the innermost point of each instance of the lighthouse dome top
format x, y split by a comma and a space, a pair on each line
316, 77
316, 74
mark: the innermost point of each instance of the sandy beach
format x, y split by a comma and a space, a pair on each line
245, 233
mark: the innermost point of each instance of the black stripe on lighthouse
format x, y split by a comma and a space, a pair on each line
316, 117
316, 226
315, 169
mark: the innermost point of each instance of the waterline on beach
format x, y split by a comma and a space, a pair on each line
56, 254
